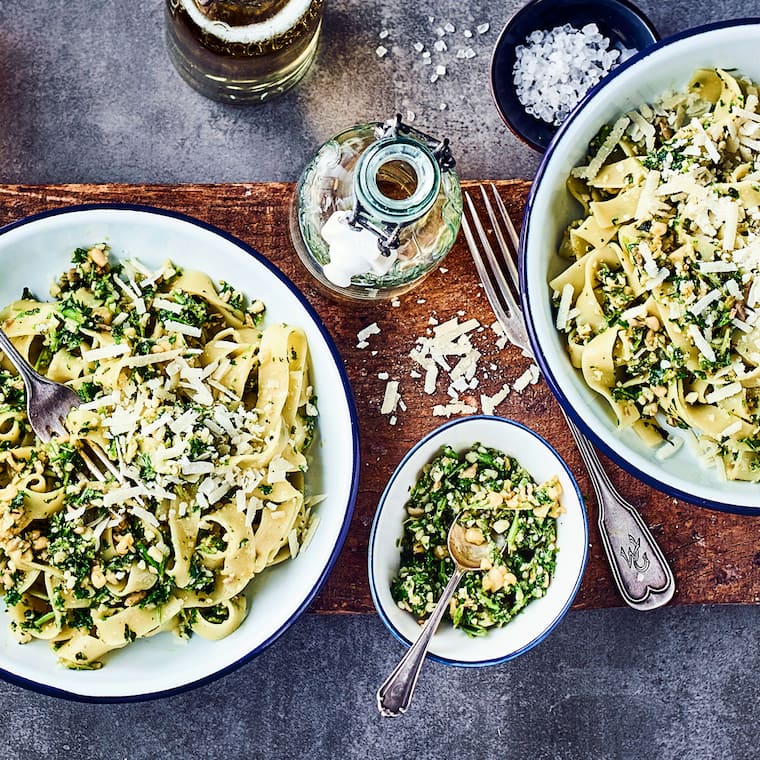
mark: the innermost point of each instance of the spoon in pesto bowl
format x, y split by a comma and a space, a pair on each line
468, 548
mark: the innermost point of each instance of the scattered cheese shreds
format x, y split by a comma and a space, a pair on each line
366, 332
391, 398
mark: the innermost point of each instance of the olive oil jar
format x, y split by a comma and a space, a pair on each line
376, 209
242, 51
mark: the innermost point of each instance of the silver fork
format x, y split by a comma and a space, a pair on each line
48, 403
641, 573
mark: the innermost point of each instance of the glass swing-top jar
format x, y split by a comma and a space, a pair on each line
376, 209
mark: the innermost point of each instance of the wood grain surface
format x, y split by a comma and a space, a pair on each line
715, 556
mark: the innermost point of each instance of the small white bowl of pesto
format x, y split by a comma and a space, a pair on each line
509, 485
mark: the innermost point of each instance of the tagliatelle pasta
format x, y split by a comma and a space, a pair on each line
206, 413
661, 303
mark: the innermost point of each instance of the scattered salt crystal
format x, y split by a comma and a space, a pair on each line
383, 34
467, 33
443, 270
426, 54
440, 46
382, 376
440, 70
410, 115
439, 31
381, 51
418, 46
483, 28
442, 107
434, 77
395, 303
449, 27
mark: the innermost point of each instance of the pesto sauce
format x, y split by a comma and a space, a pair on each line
489, 491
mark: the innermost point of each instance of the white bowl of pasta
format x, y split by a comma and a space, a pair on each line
637, 266
221, 400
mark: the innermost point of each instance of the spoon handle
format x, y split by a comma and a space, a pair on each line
639, 568
394, 696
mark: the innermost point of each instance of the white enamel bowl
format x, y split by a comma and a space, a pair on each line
32, 253
450, 645
666, 65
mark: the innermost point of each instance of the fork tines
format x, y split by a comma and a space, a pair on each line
496, 268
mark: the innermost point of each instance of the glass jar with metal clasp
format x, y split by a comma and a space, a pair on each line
376, 209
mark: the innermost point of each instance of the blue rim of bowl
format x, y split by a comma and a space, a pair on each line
373, 533
618, 459
636, 12
261, 259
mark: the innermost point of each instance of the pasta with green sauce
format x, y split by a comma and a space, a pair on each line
660, 304
206, 413
501, 507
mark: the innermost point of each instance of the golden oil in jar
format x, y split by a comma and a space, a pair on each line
242, 51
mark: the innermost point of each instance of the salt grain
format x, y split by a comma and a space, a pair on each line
381, 51
554, 70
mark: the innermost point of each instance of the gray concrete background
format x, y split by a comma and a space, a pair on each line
88, 95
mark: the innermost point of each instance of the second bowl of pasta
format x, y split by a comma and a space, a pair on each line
639, 266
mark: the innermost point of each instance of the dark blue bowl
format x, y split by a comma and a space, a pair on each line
624, 25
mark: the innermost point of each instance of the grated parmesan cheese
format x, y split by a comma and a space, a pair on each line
106, 352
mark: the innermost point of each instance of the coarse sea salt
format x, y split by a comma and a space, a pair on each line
553, 70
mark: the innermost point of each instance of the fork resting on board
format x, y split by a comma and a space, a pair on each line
641, 573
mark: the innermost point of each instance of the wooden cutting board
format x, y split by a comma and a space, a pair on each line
715, 556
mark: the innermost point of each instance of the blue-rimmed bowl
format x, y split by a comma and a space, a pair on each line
622, 23
33, 252
539, 618
668, 65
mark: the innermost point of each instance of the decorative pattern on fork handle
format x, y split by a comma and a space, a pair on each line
640, 571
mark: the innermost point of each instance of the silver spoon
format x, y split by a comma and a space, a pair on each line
394, 696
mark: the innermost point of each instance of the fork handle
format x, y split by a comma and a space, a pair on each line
640, 571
